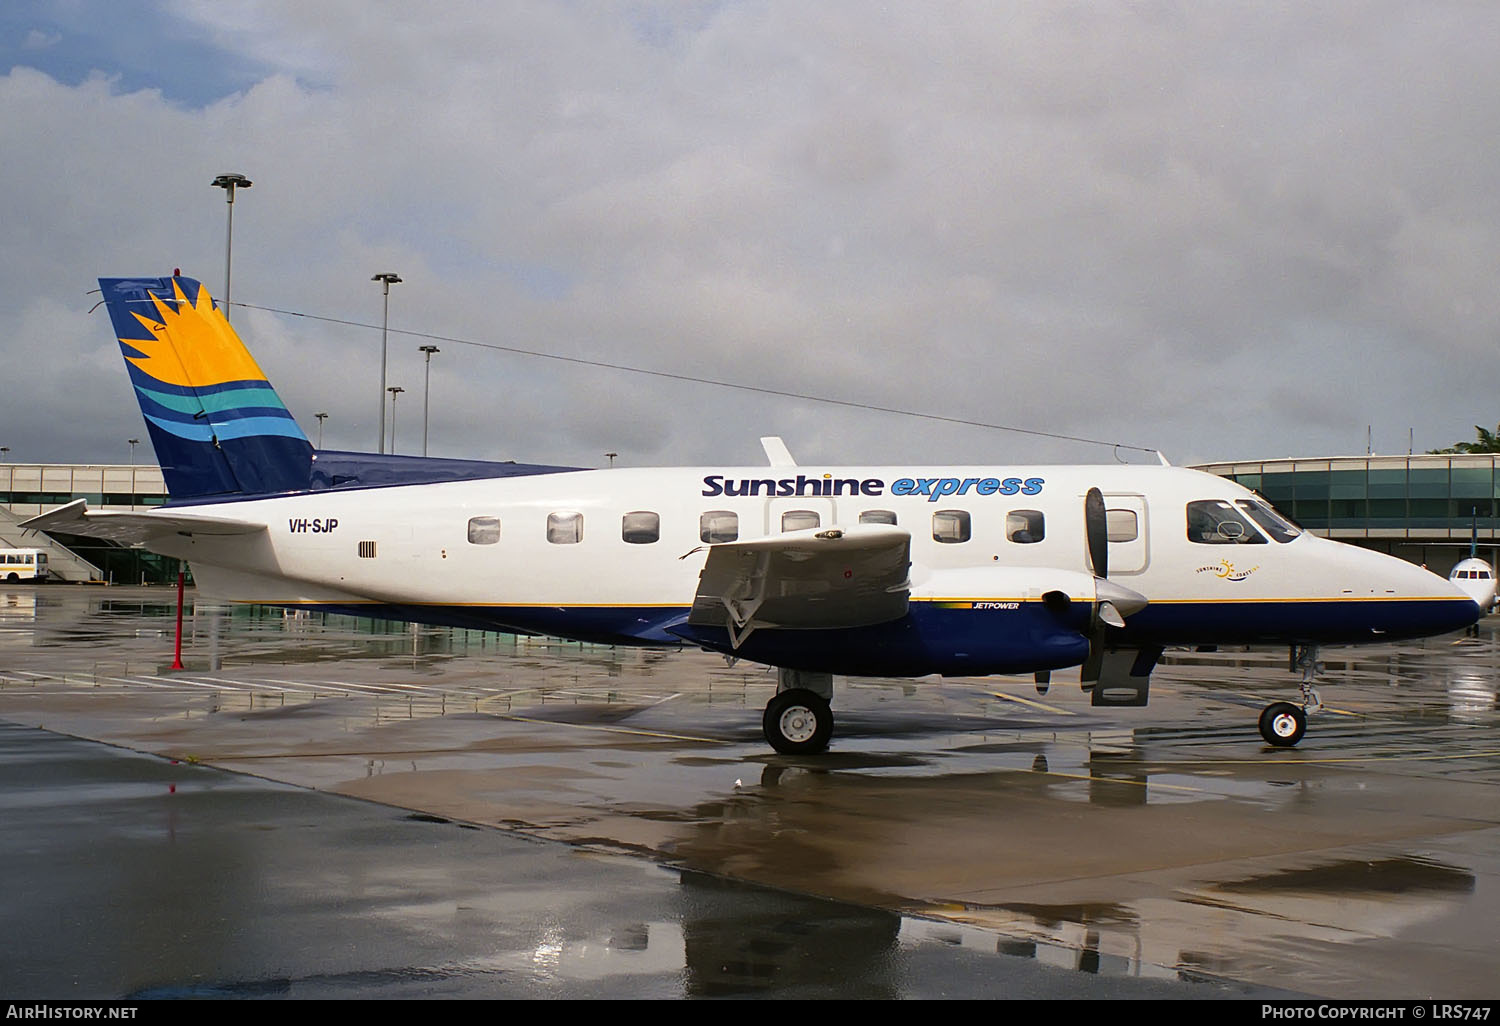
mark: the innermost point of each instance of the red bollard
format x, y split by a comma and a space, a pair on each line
177, 656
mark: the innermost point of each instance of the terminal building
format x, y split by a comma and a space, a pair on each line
1421, 508
27, 489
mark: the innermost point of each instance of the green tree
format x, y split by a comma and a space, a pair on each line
1488, 441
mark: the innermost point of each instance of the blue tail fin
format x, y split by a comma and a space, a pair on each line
216, 424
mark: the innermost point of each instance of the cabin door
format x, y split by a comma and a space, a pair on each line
1129, 534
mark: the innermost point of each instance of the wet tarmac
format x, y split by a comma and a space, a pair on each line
961, 837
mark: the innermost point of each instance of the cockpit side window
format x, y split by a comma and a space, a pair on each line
1271, 522
1216, 522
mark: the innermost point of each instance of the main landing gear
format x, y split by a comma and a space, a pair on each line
799, 720
1282, 724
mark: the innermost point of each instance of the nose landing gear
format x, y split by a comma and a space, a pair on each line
1282, 724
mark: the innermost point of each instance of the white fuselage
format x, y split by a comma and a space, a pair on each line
551, 548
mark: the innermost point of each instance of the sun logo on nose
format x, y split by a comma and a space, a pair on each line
190, 343
1227, 571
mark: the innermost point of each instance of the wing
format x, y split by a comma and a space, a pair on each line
133, 528
820, 578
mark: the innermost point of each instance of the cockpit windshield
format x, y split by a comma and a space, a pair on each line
1273, 523
1216, 522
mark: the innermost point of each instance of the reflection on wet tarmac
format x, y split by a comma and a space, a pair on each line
1160, 843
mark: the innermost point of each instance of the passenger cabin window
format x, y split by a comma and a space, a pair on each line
1216, 522
640, 528
484, 530
877, 516
951, 526
1271, 522
1025, 526
799, 519
1121, 525
719, 525
564, 528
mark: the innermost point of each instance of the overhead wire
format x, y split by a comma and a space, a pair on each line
699, 380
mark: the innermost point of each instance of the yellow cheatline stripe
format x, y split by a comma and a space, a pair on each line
1312, 598
464, 605
1034, 704
615, 730
1206, 600
927, 601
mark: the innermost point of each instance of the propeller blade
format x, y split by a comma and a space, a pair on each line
1094, 663
1096, 528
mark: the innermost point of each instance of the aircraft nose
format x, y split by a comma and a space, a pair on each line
1463, 608
1403, 600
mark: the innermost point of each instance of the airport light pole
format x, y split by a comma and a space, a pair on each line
229, 183
386, 279
395, 390
426, 390
321, 418
133, 443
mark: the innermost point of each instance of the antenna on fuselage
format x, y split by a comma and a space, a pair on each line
777, 452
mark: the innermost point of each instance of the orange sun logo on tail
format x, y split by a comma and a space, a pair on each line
192, 345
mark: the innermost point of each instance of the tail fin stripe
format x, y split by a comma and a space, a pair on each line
248, 427
228, 402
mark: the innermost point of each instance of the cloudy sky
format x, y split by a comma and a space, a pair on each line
1225, 230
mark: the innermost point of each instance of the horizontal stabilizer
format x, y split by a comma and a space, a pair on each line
817, 579
133, 528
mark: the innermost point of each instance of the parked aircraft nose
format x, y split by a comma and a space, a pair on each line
1475, 578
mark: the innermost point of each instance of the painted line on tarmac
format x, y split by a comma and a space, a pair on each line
373, 689
141, 682
1032, 703
1177, 767
1153, 785
1396, 757
298, 686
189, 682
615, 730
